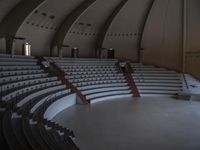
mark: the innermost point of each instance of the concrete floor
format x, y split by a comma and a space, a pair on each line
127, 124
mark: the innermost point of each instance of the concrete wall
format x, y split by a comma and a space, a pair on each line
162, 39
193, 36
2, 45
163, 36
123, 33
83, 36
6, 6
39, 29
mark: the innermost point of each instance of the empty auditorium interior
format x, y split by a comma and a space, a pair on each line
100, 74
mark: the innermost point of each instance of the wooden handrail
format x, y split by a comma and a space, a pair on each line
129, 79
132, 85
70, 85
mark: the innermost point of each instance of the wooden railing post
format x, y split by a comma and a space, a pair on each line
70, 85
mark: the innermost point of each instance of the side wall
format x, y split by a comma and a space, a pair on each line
193, 36
162, 39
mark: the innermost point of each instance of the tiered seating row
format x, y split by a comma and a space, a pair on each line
26, 92
97, 85
74, 66
9, 79
47, 98
90, 72
14, 68
3, 63
114, 79
19, 92
152, 81
23, 72
93, 76
98, 80
74, 61
20, 84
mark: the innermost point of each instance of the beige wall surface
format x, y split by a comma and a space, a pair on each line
123, 34
162, 39
193, 38
2, 45
163, 35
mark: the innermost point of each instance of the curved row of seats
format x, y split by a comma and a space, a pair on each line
14, 68
92, 76
9, 73
29, 95
154, 81
20, 84
26, 93
8, 79
96, 79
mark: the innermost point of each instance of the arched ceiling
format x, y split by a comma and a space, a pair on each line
43, 24
86, 28
128, 26
91, 24
6, 6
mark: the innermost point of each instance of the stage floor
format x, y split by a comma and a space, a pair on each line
143, 124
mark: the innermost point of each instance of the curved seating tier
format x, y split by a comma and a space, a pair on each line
97, 79
29, 89
18, 63
22, 72
56, 86
14, 68
26, 92
49, 97
21, 77
20, 84
41, 129
93, 76
152, 81
30, 97
59, 105
97, 86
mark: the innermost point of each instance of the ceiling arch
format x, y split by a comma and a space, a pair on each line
15, 18
39, 21
88, 26
124, 32
6, 6
69, 21
142, 28
105, 27
45, 27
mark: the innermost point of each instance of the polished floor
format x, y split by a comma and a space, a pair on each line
143, 124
